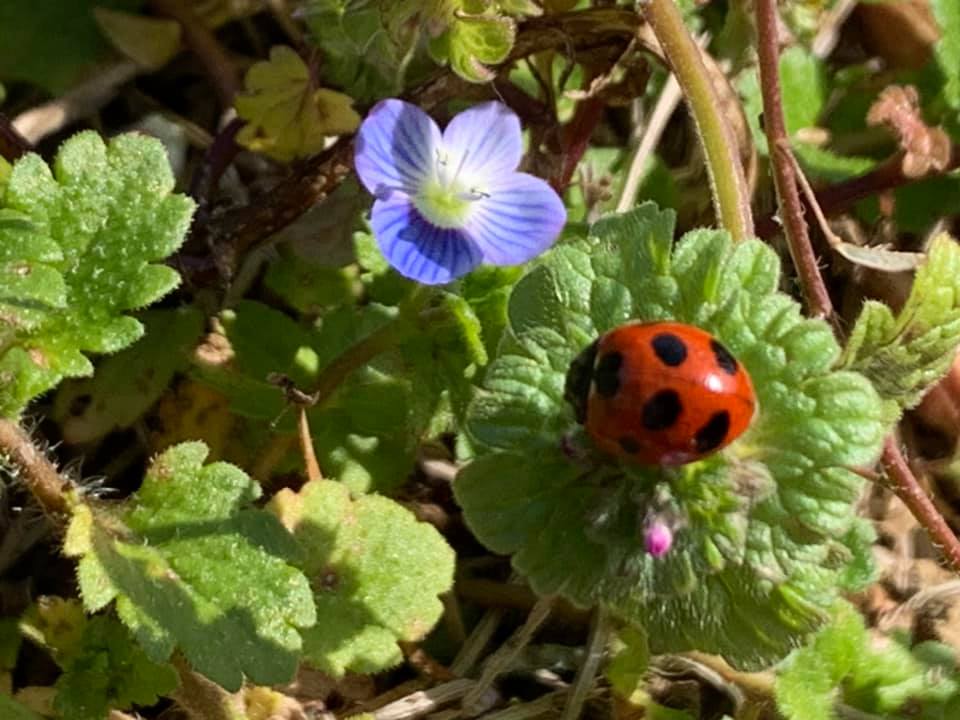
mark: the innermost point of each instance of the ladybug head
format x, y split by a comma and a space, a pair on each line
577, 387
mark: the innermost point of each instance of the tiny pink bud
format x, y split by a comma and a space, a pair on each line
658, 538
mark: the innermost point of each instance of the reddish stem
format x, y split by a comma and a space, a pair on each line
784, 170
576, 139
909, 490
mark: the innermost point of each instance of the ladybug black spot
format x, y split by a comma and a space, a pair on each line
629, 445
726, 361
606, 375
712, 435
670, 349
661, 411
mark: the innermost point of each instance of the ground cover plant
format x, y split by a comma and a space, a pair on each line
311, 404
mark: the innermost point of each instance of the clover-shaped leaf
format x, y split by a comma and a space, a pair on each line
192, 565
287, 115
761, 550
78, 248
375, 570
904, 355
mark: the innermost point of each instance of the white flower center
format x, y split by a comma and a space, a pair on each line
446, 197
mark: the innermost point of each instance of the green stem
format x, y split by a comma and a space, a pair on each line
727, 182
359, 354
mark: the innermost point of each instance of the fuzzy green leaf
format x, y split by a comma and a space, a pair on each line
844, 664
763, 551
125, 385
80, 247
376, 572
191, 564
109, 672
904, 355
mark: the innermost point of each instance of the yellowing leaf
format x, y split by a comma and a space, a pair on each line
287, 116
150, 42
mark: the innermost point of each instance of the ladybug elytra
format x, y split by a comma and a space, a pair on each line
660, 393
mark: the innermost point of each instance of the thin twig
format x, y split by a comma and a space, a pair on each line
837, 198
728, 183
476, 643
35, 470
666, 103
587, 674
791, 209
503, 658
909, 490
306, 447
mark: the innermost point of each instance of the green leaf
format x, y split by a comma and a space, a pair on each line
52, 60
192, 565
287, 116
477, 41
109, 672
360, 56
904, 355
10, 709
78, 249
845, 664
125, 385
947, 48
376, 572
804, 88
762, 549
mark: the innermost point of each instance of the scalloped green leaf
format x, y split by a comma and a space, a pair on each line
109, 672
191, 564
81, 245
763, 549
376, 572
905, 354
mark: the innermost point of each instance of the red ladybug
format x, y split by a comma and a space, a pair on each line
660, 393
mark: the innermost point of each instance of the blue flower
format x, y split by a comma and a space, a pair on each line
446, 202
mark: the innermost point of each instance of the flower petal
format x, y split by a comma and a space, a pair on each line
519, 220
417, 249
485, 140
396, 148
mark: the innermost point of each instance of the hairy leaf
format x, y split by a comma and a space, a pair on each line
376, 573
845, 665
192, 565
758, 558
904, 355
78, 250
287, 115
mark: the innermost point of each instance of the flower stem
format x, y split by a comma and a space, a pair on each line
35, 471
727, 181
784, 169
908, 489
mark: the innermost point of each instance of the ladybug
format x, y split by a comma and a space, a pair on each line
660, 393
